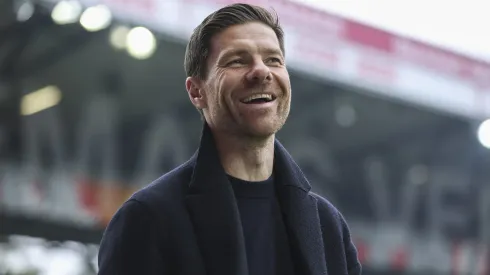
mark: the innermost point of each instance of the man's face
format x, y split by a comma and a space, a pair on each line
247, 89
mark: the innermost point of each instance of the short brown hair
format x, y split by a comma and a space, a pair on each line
198, 48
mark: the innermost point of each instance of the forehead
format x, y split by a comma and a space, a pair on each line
250, 36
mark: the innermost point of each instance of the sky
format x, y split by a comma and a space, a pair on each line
459, 25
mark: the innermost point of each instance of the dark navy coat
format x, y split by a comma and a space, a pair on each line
187, 222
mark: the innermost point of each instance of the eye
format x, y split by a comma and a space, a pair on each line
236, 62
274, 61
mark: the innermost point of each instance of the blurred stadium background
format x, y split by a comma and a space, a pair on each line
93, 107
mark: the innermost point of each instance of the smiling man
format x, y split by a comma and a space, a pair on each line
240, 205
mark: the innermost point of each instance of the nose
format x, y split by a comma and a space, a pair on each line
259, 73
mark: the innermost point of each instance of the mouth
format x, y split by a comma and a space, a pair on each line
259, 99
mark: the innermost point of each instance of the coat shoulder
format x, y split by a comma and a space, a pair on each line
325, 207
332, 221
168, 190
330, 216
168, 186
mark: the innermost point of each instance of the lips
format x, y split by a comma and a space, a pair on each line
258, 98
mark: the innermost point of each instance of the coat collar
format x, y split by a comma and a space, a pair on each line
213, 210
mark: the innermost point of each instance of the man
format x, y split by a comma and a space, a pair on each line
240, 205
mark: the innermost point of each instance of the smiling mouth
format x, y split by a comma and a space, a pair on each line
259, 99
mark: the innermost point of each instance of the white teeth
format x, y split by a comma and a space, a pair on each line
256, 96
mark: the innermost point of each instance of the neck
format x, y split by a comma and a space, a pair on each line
246, 159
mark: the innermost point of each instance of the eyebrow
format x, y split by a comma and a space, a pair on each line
271, 51
232, 52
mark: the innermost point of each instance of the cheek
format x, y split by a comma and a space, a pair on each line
214, 89
221, 88
284, 83
225, 88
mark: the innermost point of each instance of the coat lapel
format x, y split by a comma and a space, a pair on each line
214, 213
300, 212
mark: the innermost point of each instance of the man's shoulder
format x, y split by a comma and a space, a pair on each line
328, 213
324, 204
154, 204
170, 188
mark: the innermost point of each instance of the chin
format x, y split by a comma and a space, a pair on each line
263, 130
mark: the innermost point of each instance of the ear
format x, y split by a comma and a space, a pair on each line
196, 93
